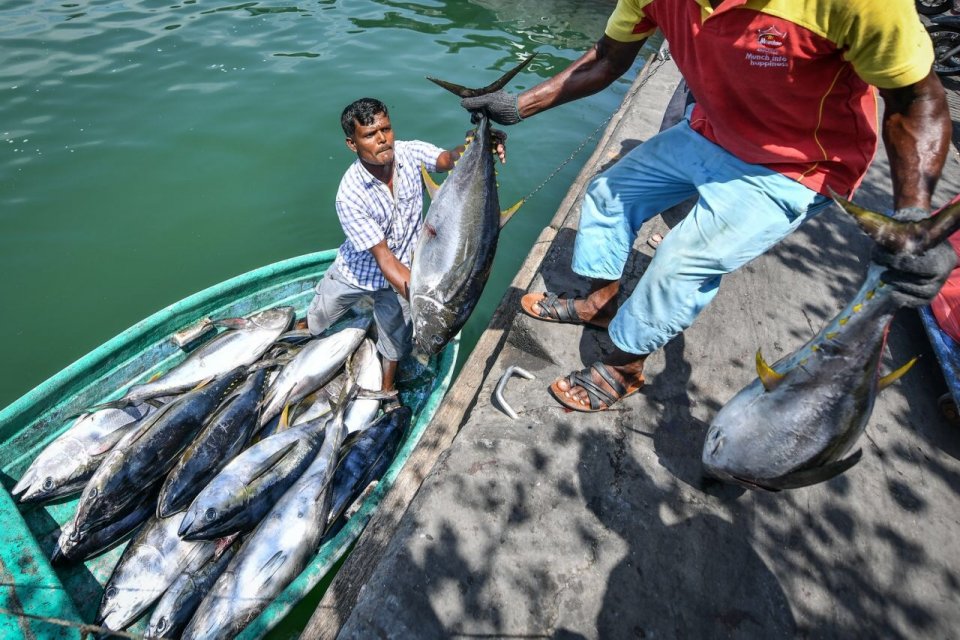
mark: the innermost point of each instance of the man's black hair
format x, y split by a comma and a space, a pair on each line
363, 111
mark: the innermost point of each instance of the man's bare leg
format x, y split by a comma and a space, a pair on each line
389, 374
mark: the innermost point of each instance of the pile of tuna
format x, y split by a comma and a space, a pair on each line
228, 471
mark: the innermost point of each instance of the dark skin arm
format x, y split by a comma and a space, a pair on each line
916, 134
595, 70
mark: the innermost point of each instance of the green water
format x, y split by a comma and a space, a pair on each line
149, 149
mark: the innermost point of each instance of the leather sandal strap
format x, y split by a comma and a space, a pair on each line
595, 393
553, 308
604, 373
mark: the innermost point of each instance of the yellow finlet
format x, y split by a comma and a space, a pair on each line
428, 180
890, 378
768, 377
506, 215
284, 418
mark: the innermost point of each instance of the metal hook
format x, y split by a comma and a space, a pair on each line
501, 385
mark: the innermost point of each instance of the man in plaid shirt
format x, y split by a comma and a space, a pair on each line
380, 206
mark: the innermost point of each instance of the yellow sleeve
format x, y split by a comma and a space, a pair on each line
886, 43
628, 23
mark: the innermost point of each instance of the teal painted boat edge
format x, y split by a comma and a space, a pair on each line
333, 550
22, 561
29, 585
42, 398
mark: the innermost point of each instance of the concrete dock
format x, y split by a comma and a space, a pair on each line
570, 525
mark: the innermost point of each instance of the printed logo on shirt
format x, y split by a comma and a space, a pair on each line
770, 40
771, 37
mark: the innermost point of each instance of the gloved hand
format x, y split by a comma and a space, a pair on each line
501, 107
916, 279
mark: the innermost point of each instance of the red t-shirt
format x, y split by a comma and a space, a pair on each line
787, 83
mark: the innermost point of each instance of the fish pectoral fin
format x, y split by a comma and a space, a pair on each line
819, 474
893, 376
428, 181
271, 462
769, 378
506, 215
271, 566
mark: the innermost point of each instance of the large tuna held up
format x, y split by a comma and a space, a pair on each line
455, 251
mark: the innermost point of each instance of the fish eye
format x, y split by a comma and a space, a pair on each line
110, 592
210, 513
437, 339
48, 484
74, 535
162, 625
94, 492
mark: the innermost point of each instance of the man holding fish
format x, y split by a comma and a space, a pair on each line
786, 114
380, 206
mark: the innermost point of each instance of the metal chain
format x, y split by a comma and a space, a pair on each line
660, 59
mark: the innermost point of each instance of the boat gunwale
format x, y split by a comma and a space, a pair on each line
136, 349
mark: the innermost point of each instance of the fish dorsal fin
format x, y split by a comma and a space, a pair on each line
892, 377
506, 215
769, 378
428, 180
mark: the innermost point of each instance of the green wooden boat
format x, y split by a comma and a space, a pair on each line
38, 600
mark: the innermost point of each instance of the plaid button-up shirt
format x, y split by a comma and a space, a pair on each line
369, 213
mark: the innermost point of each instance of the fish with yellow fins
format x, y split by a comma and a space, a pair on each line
454, 254
796, 423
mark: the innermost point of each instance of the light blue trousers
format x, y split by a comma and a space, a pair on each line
742, 210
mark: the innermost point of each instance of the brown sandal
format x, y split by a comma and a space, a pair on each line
553, 308
600, 398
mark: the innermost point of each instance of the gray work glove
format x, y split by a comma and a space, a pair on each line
916, 279
501, 107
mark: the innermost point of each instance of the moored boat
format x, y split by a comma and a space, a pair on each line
42, 601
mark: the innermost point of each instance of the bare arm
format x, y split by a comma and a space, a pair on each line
396, 273
447, 159
916, 134
606, 61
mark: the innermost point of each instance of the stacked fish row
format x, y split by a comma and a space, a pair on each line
228, 471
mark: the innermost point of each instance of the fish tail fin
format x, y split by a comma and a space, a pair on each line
465, 92
892, 377
904, 237
506, 215
428, 181
768, 377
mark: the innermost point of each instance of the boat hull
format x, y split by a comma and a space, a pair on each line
32, 590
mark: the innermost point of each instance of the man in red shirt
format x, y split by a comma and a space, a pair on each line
786, 111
